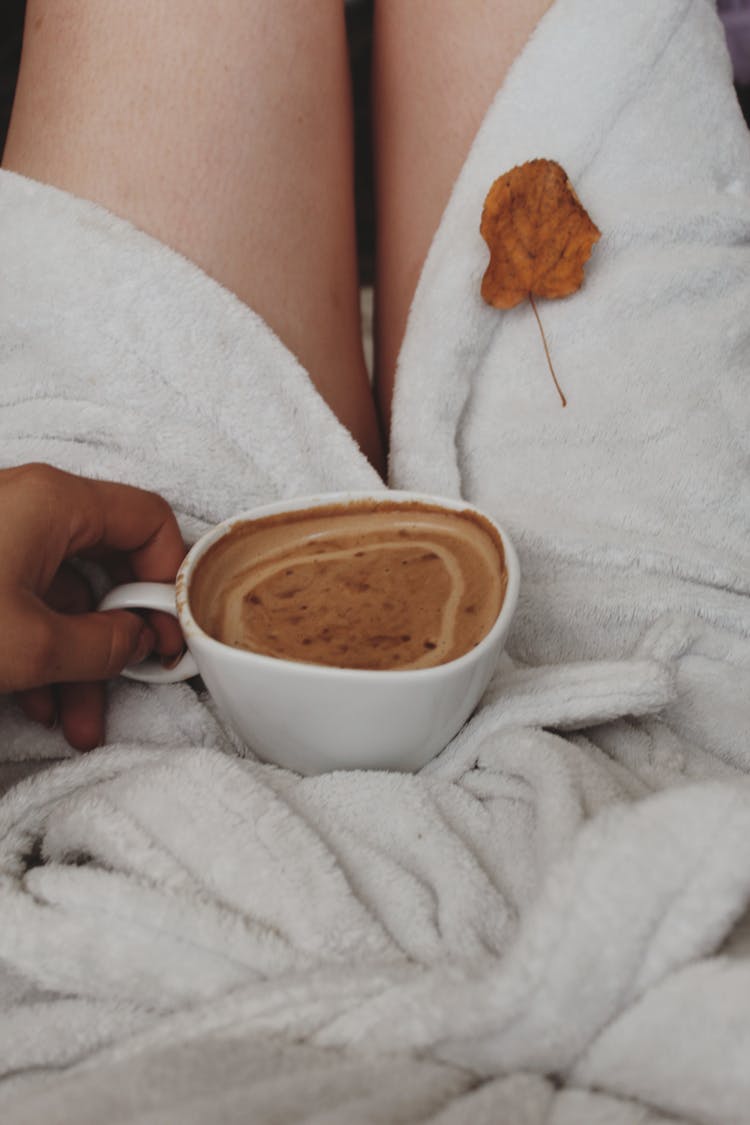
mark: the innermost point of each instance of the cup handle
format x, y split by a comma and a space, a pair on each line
150, 595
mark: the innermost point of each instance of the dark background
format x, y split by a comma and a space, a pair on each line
11, 25
359, 29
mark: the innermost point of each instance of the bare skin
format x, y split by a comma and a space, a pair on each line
225, 131
49, 635
437, 66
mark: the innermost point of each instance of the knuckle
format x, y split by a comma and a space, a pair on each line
160, 506
37, 474
40, 484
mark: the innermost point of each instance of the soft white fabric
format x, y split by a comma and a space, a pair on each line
550, 922
636, 498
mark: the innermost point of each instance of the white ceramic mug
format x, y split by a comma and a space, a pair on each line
312, 717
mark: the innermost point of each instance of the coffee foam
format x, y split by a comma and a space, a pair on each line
376, 585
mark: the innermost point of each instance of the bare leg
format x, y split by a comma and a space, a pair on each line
437, 66
225, 131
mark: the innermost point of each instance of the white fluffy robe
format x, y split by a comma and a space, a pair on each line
550, 922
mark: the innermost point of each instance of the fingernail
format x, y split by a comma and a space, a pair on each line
145, 646
170, 662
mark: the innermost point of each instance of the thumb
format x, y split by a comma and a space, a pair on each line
95, 646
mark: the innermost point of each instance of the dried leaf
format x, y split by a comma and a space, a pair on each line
539, 235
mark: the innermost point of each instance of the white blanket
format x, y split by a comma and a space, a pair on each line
550, 922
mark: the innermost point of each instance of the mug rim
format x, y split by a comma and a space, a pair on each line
191, 628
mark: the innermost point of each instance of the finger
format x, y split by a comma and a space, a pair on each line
56, 515
53, 648
169, 640
82, 714
156, 559
40, 705
138, 523
97, 646
80, 707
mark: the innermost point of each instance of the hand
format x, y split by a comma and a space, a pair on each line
48, 634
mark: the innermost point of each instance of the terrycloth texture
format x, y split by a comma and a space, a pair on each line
551, 922
636, 498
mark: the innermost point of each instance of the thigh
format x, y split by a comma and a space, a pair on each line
224, 129
437, 66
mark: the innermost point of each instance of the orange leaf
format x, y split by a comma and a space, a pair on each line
538, 233
539, 237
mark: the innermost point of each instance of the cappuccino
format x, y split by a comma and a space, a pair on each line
368, 584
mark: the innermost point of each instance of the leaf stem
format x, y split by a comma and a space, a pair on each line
563, 399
